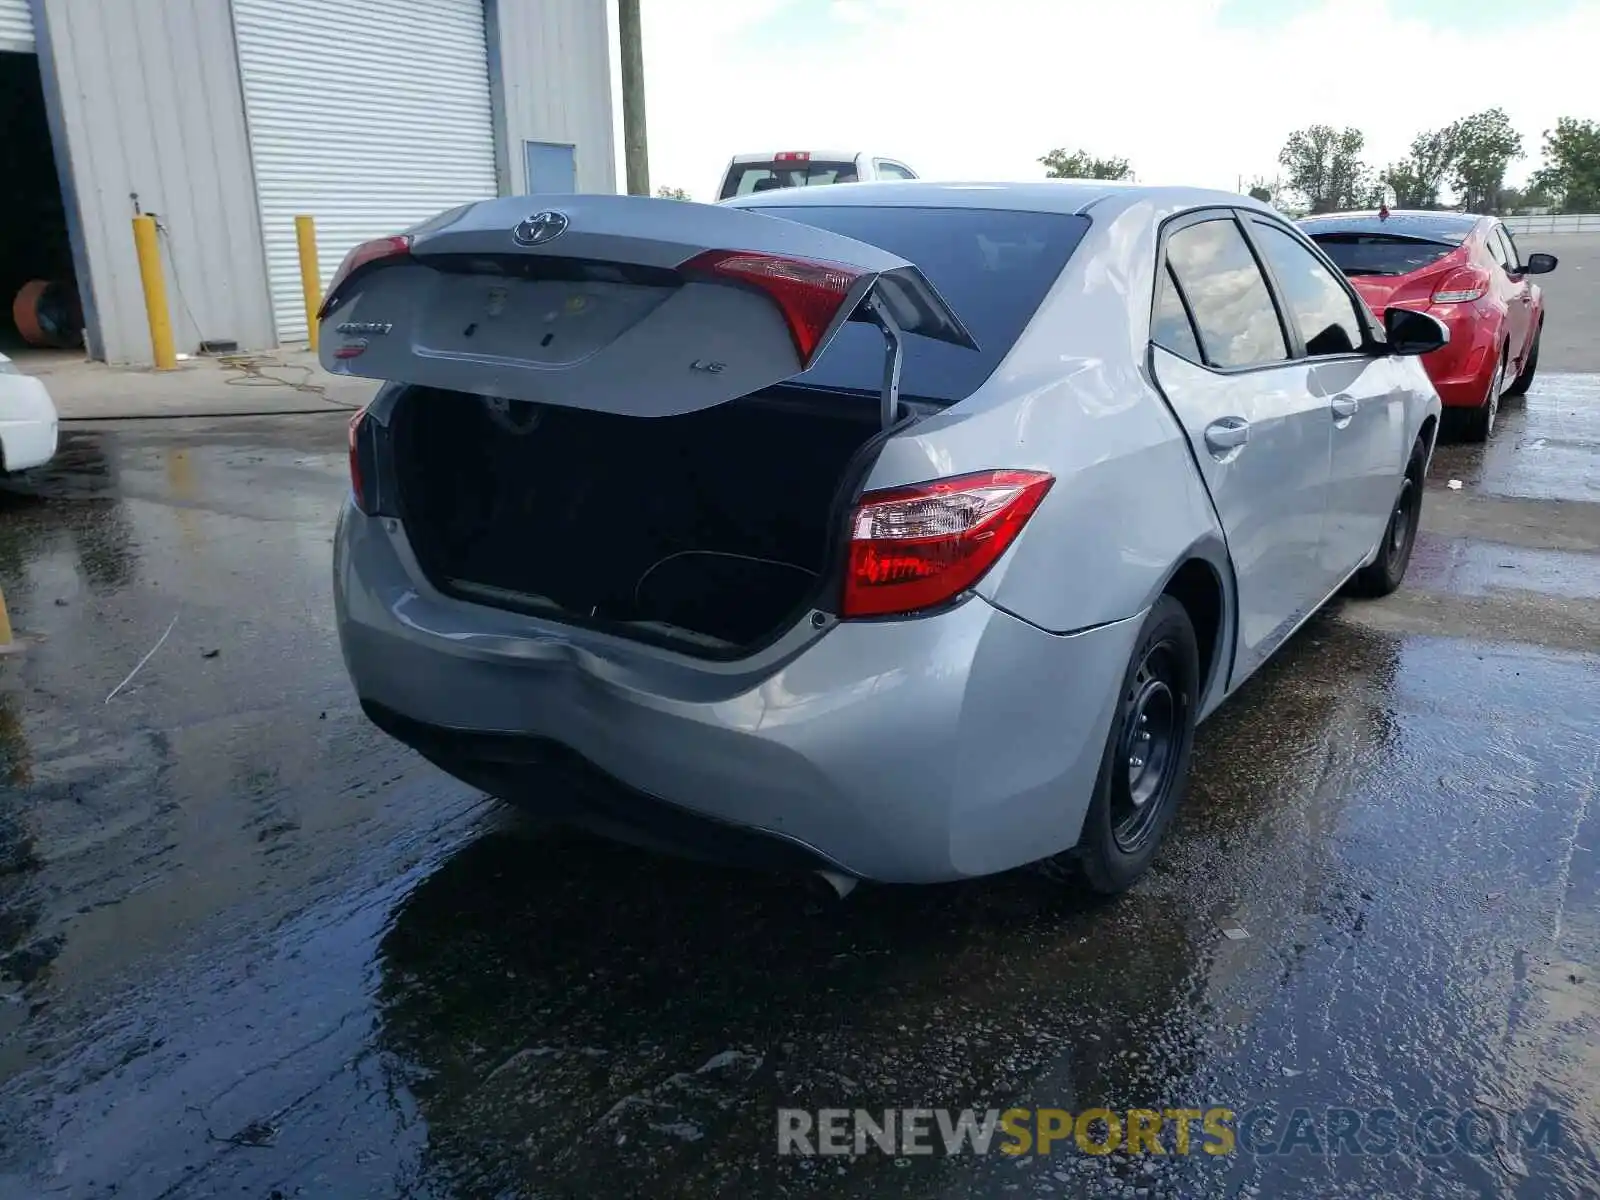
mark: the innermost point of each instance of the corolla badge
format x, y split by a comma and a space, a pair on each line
540, 228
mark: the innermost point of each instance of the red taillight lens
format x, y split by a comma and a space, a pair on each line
916, 547
792, 156
357, 483
1462, 287
363, 255
808, 293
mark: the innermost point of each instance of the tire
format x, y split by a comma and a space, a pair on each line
1478, 423
1524, 380
1153, 726
1385, 573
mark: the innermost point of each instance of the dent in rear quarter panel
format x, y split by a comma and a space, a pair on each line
1072, 398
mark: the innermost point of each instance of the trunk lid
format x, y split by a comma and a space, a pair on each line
623, 304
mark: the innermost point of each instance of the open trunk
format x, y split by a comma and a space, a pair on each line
718, 527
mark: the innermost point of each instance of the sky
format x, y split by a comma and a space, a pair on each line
1199, 92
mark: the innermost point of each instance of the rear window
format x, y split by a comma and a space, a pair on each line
1379, 254
992, 267
746, 178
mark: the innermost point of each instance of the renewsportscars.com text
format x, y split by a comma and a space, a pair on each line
1212, 1130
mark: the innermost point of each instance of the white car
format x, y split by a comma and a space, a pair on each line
28, 423
761, 172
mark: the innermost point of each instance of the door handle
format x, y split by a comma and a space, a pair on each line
1344, 407
1227, 435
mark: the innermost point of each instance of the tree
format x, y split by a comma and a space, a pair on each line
1535, 195
1417, 179
1324, 165
1485, 145
672, 193
1264, 190
1080, 164
1571, 170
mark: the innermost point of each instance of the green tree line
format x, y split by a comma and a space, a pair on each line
1324, 170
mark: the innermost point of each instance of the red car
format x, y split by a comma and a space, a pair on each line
1463, 269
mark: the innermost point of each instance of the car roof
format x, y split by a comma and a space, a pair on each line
1404, 222
1043, 196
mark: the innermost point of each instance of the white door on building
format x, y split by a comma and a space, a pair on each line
369, 117
16, 26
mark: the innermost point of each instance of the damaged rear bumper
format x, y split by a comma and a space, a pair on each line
953, 745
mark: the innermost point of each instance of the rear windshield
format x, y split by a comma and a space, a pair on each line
745, 178
1380, 254
992, 267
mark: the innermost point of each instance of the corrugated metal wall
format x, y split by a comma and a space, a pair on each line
16, 26
150, 103
370, 117
555, 70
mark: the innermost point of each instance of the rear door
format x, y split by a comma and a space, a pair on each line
1365, 396
1261, 437
621, 304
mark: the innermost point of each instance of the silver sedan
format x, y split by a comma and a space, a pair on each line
900, 531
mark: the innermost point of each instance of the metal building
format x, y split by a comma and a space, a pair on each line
227, 118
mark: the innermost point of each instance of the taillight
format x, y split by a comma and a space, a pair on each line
1461, 287
917, 547
792, 156
367, 253
808, 293
357, 483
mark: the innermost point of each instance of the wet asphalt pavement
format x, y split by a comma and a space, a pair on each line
250, 947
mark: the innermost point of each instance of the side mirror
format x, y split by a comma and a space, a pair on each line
1538, 264
1411, 332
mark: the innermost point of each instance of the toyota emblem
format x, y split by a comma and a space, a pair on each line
540, 228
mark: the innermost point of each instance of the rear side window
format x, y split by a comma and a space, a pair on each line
993, 267
892, 170
1511, 247
1500, 247
1380, 254
1321, 307
1169, 327
746, 178
1227, 294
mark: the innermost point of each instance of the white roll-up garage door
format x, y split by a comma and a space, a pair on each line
370, 117
16, 26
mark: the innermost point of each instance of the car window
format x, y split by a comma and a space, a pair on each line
1498, 250
1170, 327
1380, 253
1513, 258
889, 170
1230, 301
992, 266
1327, 316
746, 178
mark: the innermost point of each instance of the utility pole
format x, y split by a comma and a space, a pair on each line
635, 144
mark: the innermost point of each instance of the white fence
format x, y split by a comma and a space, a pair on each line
1565, 223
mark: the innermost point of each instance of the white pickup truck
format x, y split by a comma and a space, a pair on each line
748, 173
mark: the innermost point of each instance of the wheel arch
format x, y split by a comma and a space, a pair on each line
1202, 580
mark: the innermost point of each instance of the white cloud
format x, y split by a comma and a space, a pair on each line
980, 90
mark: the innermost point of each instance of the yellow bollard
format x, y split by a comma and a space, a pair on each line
305, 235
8, 642
155, 292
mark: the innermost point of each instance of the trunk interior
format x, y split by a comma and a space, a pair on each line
716, 527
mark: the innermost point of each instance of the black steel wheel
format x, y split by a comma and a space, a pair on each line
1144, 770
1386, 572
